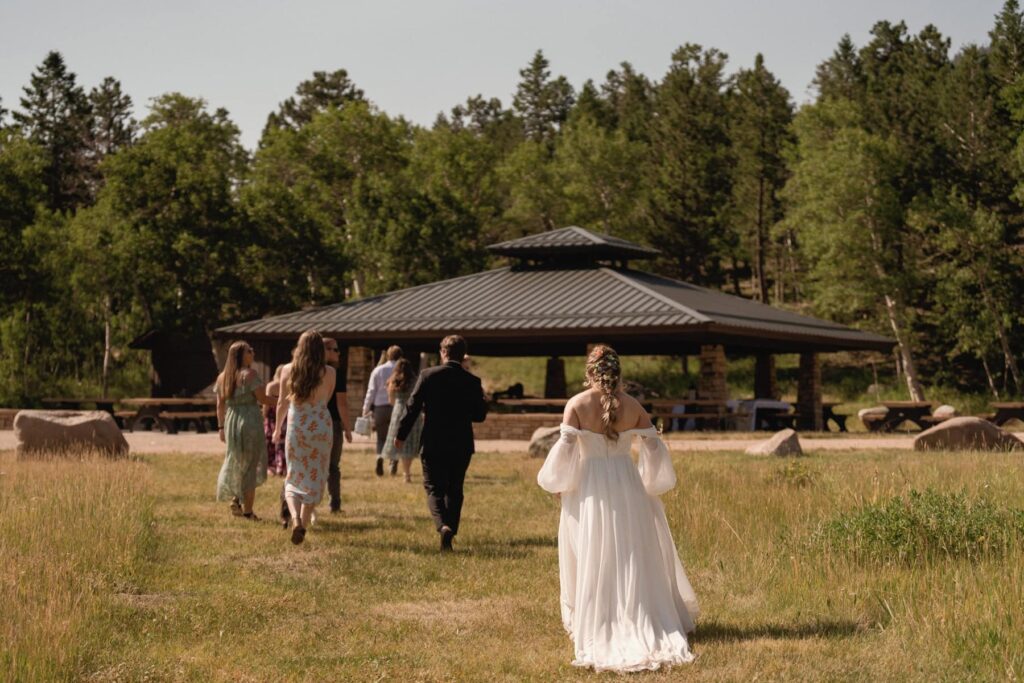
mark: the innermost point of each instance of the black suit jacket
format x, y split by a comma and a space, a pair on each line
453, 399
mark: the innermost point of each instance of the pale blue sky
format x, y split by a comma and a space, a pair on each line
417, 58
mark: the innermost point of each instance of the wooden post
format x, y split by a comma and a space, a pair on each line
711, 383
808, 397
554, 380
361, 362
765, 384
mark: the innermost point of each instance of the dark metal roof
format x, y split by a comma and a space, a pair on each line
572, 240
533, 312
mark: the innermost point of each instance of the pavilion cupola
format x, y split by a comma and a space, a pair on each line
570, 248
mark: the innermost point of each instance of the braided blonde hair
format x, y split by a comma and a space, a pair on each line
605, 373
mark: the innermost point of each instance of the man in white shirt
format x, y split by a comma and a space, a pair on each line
377, 404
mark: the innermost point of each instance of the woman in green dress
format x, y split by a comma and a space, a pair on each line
240, 425
400, 386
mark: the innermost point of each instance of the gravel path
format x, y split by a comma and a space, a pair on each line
189, 442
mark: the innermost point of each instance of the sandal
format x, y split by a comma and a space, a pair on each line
298, 534
236, 507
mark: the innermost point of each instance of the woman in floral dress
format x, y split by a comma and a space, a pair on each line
306, 385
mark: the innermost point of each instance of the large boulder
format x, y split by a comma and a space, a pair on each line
785, 442
63, 432
966, 434
542, 440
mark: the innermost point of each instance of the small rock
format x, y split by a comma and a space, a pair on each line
542, 440
966, 434
945, 412
785, 442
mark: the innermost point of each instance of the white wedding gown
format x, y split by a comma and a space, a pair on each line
626, 601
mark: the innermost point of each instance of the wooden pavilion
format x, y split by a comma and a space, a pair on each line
562, 291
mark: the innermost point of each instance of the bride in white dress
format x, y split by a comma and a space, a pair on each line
626, 601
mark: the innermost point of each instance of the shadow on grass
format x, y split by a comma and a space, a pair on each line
714, 631
511, 549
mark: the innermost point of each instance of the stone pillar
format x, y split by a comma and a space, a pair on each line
361, 362
765, 385
554, 380
711, 383
808, 394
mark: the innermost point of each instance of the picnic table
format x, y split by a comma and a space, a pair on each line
704, 412
63, 403
1006, 411
918, 412
169, 414
828, 413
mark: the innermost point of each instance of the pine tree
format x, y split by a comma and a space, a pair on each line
760, 115
591, 105
112, 124
630, 97
325, 89
541, 103
1006, 47
55, 115
111, 127
690, 179
841, 76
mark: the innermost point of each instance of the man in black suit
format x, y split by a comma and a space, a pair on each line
453, 399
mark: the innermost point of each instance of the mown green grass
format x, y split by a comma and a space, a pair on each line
369, 598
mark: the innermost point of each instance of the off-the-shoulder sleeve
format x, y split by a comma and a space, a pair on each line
561, 469
655, 463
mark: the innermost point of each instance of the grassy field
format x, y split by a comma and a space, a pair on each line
129, 571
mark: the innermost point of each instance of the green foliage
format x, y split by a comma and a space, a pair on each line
542, 103
795, 473
324, 90
760, 118
56, 116
892, 202
690, 181
924, 527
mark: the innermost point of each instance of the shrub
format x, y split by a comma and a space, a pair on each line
794, 473
924, 526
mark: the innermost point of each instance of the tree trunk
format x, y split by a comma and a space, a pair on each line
903, 344
28, 351
759, 249
106, 344
1008, 358
988, 376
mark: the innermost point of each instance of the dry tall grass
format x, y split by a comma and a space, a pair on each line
73, 534
368, 598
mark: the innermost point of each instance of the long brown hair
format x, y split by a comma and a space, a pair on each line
605, 373
402, 376
227, 379
308, 366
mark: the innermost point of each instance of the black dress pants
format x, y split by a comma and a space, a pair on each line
443, 477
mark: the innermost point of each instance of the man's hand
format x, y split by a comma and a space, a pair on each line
221, 433
348, 435
398, 443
